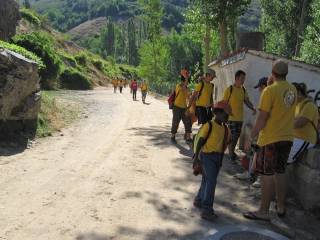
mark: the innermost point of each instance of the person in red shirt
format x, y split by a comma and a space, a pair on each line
134, 88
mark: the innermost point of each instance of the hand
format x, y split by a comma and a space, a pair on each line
196, 160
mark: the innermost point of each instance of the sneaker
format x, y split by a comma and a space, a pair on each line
173, 139
242, 176
189, 140
257, 183
209, 216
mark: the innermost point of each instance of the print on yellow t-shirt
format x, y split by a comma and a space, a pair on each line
236, 99
308, 110
279, 100
205, 100
182, 97
215, 140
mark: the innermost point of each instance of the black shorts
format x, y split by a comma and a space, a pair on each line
235, 128
204, 114
272, 158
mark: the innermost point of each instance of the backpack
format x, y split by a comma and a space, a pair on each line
172, 99
312, 123
201, 89
196, 138
231, 89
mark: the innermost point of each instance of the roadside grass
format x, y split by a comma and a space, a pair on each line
55, 114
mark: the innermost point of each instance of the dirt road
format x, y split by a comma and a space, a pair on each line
113, 175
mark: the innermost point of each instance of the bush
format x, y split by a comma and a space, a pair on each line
74, 80
82, 59
98, 64
68, 59
23, 52
30, 16
42, 45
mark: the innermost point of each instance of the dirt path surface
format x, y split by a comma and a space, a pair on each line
113, 175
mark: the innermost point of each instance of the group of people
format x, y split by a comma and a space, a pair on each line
119, 83
285, 127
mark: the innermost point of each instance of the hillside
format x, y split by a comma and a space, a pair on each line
67, 14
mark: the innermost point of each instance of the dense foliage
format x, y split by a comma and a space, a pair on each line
72, 79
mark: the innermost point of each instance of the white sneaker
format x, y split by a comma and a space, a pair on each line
257, 183
242, 176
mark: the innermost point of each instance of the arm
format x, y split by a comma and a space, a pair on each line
198, 149
300, 122
250, 105
193, 98
260, 123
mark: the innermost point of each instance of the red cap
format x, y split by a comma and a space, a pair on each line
224, 106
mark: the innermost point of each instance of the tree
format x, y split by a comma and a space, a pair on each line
26, 4
310, 50
132, 44
108, 39
152, 15
284, 20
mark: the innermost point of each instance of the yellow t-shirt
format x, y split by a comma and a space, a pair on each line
144, 87
309, 110
120, 84
206, 94
182, 96
236, 99
279, 100
215, 140
114, 83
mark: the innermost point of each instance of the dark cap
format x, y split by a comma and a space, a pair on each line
262, 82
211, 72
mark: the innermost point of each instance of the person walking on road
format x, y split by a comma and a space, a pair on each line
203, 95
115, 85
236, 95
144, 91
121, 84
179, 110
134, 87
214, 137
274, 128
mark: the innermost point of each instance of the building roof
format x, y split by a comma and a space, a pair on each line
240, 55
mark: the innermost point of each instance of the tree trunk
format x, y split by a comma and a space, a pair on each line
223, 37
207, 40
302, 25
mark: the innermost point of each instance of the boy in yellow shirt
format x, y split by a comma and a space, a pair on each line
144, 91
179, 110
236, 95
305, 124
203, 95
274, 125
214, 137
115, 85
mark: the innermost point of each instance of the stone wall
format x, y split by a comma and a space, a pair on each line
304, 180
19, 95
9, 17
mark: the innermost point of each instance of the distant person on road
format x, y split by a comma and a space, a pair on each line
203, 95
115, 85
134, 87
236, 95
274, 128
121, 84
179, 110
305, 124
144, 91
214, 137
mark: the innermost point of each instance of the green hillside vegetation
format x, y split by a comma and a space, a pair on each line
67, 14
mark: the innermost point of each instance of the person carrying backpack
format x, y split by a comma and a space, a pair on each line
179, 109
134, 87
121, 84
203, 95
305, 124
144, 91
213, 139
115, 85
236, 95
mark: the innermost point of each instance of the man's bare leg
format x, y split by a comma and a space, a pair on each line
281, 191
267, 190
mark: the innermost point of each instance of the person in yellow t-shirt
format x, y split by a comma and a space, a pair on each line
274, 125
121, 84
115, 85
203, 95
144, 91
214, 137
236, 95
179, 110
305, 122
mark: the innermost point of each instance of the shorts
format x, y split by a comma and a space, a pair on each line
298, 147
272, 158
204, 114
235, 128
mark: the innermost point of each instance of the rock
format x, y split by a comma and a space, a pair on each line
10, 15
19, 95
